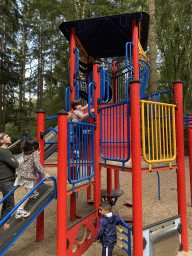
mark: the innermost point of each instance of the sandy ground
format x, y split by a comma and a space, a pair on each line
153, 210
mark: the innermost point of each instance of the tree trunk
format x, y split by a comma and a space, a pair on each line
22, 85
2, 90
190, 79
152, 48
40, 75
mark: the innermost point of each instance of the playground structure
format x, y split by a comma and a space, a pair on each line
116, 90
111, 75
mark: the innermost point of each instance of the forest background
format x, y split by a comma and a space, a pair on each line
34, 56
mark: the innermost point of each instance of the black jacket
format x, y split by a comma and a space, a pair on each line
7, 165
107, 230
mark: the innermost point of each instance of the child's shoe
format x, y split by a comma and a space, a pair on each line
26, 214
34, 195
21, 214
76, 154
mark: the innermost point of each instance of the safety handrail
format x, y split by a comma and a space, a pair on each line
148, 97
5, 197
51, 117
117, 62
68, 90
144, 70
51, 152
128, 55
103, 73
76, 51
48, 129
91, 88
187, 120
105, 101
51, 142
76, 83
127, 234
115, 134
91, 77
80, 155
81, 82
159, 125
28, 195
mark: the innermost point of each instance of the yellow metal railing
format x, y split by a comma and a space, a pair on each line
158, 132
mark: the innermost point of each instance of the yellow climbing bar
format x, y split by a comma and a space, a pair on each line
158, 132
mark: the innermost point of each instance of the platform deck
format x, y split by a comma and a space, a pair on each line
162, 166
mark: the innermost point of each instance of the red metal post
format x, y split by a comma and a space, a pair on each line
116, 174
130, 136
135, 49
109, 183
190, 151
40, 129
73, 201
181, 192
62, 185
72, 71
72, 60
136, 149
114, 82
136, 169
97, 187
89, 188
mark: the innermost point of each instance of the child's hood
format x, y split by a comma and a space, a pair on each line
110, 217
34, 154
27, 157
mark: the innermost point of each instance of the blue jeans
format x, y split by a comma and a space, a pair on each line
9, 203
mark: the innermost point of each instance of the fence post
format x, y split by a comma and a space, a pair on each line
181, 193
136, 168
40, 129
189, 129
62, 184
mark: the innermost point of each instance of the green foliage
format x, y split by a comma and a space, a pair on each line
34, 27
174, 44
11, 129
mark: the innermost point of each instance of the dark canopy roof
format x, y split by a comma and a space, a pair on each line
107, 36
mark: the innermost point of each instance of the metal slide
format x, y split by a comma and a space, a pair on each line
49, 148
52, 136
17, 226
46, 195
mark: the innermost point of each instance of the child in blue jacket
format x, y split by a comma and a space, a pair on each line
107, 228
